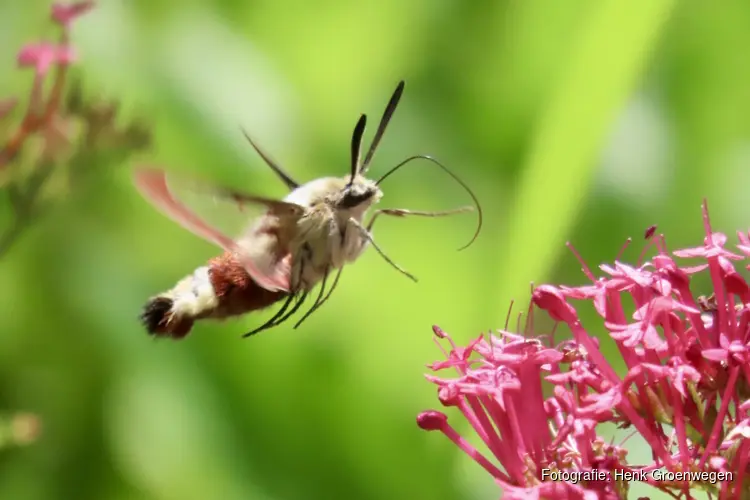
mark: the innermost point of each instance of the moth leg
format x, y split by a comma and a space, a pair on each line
305, 256
302, 298
268, 324
317, 299
366, 234
403, 212
319, 302
333, 287
277, 318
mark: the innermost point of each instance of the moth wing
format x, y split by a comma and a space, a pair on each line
182, 199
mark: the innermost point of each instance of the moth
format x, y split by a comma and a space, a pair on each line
292, 246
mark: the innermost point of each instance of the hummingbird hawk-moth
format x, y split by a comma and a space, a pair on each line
294, 245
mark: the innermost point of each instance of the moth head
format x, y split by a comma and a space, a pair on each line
360, 192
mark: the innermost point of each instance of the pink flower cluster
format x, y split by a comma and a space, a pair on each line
43, 117
42, 56
63, 132
538, 407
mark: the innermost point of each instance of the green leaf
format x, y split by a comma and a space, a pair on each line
612, 50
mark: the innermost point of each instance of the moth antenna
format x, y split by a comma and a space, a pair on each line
285, 178
455, 178
359, 130
387, 114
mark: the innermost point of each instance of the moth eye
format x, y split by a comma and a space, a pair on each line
352, 199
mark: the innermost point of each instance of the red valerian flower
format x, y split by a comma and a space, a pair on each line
537, 407
65, 14
43, 110
19, 429
42, 56
58, 128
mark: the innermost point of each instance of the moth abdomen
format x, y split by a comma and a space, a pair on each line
218, 290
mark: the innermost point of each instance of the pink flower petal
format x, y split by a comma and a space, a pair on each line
65, 14
44, 55
716, 354
684, 351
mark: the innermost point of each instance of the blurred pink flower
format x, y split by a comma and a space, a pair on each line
25, 428
537, 406
43, 111
19, 429
43, 55
65, 14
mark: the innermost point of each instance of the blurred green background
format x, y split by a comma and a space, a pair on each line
584, 120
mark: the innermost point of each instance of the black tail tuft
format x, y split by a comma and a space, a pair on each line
160, 320
155, 314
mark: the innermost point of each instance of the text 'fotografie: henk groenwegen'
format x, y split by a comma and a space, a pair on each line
640, 475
